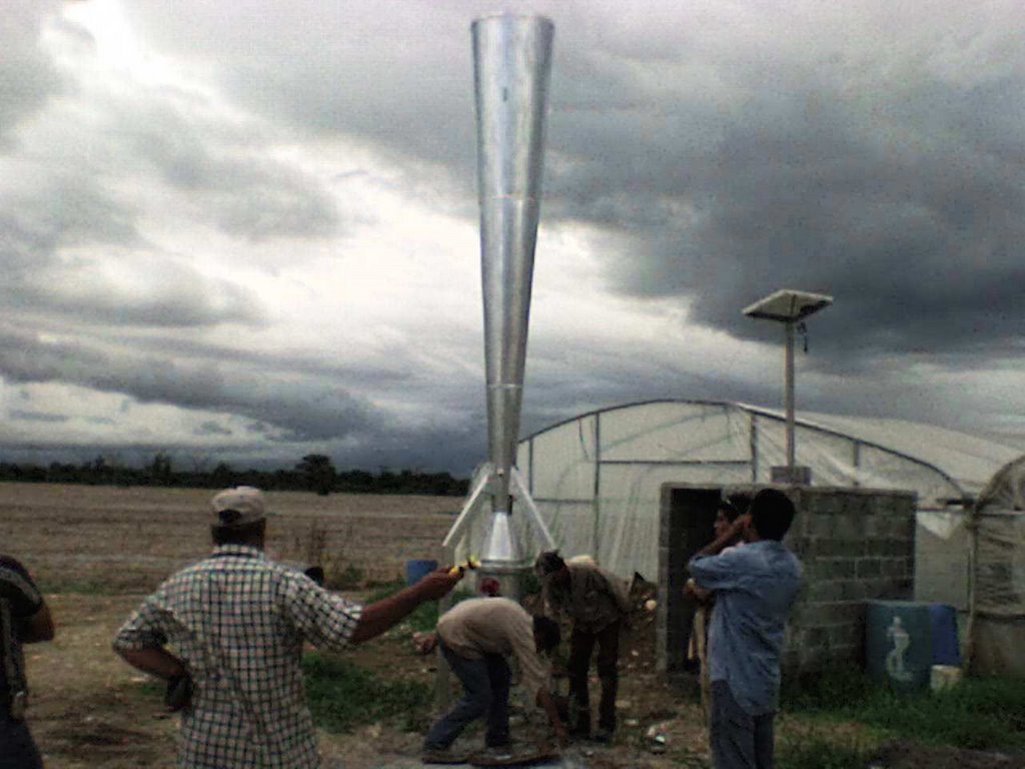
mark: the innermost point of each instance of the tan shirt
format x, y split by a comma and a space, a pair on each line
594, 598
480, 626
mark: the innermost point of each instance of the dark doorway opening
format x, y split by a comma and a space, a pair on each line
691, 516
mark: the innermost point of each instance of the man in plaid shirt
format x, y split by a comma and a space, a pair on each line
237, 622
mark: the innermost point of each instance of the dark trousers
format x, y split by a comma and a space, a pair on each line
581, 646
17, 748
738, 739
485, 694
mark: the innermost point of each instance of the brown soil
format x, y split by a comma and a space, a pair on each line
909, 755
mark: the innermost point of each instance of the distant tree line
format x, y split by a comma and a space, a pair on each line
315, 472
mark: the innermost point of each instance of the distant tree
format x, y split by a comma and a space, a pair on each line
160, 470
318, 472
222, 476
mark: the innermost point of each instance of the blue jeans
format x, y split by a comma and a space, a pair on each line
485, 694
738, 739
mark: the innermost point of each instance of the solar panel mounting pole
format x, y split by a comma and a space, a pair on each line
788, 395
789, 307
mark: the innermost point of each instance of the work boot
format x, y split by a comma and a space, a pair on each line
581, 725
493, 755
443, 756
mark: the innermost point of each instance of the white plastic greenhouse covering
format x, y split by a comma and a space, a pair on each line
597, 478
997, 614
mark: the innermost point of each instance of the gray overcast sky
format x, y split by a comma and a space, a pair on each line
248, 231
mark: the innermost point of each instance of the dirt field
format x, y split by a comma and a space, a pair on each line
98, 550
129, 539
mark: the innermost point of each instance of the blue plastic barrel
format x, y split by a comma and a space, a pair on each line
946, 649
417, 570
898, 643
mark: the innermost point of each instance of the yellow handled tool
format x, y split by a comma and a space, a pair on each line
470, 563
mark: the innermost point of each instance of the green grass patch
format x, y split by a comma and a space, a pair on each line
343, 696
979, 713
425, 616
819, 750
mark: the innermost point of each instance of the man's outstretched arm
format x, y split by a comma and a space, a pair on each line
382, 615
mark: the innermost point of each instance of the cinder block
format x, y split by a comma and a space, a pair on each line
840, 568
896, 567
849, 527
824, 526
838, 612
869, 567
869, 525
826, 590
854, 590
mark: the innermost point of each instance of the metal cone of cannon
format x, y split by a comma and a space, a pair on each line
512, 62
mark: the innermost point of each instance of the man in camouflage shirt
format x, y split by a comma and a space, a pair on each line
236, 622
598, 604
24, 618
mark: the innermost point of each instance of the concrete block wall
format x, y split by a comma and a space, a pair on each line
855, 545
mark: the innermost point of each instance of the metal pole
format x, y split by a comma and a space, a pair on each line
788, 387
512, 62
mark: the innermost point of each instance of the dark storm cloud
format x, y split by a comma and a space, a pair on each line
62, 212
919, 242
387, 72
286, 411
862, 172
226, 170
36, 228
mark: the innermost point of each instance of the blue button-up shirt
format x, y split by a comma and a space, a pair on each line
755, 587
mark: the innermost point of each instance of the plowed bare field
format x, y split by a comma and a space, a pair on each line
129, 539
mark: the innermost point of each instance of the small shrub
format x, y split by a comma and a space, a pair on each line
348, 577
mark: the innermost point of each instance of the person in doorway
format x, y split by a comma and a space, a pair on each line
754, 587
236, 623
598, 604
726, 512
24, 618
697, 648
476, 637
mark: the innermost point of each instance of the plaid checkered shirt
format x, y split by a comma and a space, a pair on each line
239, 620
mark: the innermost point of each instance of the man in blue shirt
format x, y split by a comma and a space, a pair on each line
755, 587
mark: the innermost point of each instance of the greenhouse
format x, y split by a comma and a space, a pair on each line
597, 478
997, 586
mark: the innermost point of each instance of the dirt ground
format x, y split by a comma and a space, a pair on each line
97, 551
89, 709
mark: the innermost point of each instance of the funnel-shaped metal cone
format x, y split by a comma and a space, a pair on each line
499, 544
512, 62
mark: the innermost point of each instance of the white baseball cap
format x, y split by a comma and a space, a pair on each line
238, 506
